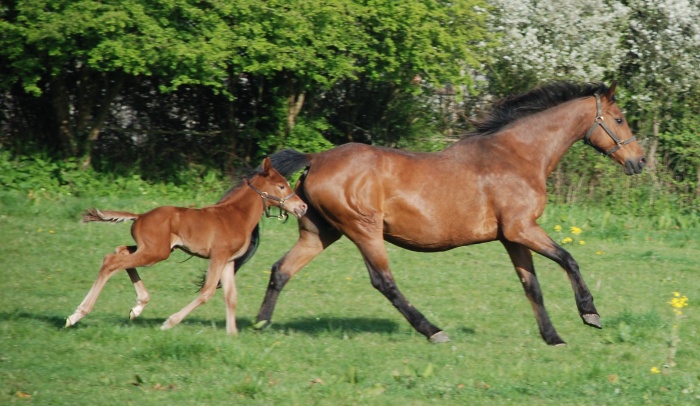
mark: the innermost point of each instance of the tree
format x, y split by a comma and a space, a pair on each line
553, 39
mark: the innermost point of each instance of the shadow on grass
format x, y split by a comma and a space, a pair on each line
312, 326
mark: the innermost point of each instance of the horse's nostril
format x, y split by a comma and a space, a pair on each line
642, 162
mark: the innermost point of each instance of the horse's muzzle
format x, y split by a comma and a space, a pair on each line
635, 166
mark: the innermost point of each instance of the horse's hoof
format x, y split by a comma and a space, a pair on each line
68, 323
439, 337
592, 320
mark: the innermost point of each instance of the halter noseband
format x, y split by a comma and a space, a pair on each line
599, 122
266, 208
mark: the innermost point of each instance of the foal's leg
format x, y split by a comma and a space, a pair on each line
315, 234
111, 264
535, 238
142, 296
228, 283
522, 260
216, 267
374, 252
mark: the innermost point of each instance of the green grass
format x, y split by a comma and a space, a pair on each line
334, 339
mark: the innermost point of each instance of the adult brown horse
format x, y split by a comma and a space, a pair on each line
488, 186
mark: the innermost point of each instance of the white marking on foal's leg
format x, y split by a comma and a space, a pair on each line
142, 296
228, 283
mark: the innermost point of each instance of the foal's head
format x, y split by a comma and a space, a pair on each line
611, 135
275, 191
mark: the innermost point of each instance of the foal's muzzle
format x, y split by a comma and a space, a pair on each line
634, 166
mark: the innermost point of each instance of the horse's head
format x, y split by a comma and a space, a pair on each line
275, 191
611, 135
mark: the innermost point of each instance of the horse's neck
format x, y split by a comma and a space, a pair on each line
244, 200
543, 138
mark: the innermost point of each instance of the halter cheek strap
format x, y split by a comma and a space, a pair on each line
599, 122
266, 208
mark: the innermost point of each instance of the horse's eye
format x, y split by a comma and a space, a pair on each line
619, 120
282, 187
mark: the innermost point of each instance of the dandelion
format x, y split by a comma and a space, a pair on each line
581, 242
600, 252
557, 228
575, 230
677, 302
655, 370
567, 240
52, 232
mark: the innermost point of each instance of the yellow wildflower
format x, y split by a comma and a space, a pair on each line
567, 240
678, 301
575, 230
557, 228
655, 370
581, 242
600, 252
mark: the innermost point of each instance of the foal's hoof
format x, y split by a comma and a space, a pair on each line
439, 337
592, 320
68, 323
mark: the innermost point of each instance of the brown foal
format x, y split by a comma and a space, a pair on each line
490, 185
220, 232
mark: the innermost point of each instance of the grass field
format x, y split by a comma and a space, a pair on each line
334, 339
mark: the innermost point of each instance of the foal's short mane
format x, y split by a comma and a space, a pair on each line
239, 181
513, 108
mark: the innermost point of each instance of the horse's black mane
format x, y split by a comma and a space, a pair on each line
512, 108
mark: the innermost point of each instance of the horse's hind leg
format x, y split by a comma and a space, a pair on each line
315, 234
374, 253
112, 263
522, 260
142, 296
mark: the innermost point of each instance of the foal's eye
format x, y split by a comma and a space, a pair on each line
619, 120
282, 187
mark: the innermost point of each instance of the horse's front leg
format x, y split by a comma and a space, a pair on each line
216, 267
522, 260
228, 283
536, 239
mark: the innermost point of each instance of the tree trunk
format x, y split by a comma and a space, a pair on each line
294, 104
60, 104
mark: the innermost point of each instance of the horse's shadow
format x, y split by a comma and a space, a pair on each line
312, 326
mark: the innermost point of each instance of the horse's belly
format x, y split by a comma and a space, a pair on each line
430, 236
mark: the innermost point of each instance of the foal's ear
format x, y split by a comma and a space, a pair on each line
611, 90
266, 166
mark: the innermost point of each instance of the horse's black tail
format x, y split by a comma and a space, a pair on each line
254, 243
288, 161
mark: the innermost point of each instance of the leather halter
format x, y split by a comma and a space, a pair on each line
266, 208
599, 122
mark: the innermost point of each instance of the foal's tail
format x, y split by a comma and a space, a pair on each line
92, 214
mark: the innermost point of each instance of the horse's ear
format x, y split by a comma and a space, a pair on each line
611, 90
266, 166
